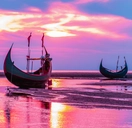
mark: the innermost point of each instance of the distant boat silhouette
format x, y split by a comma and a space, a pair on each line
113, 74
37, 79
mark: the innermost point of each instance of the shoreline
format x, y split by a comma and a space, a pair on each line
76, 74
70, 74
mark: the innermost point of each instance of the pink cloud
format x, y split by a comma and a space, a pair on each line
62, 20
81, 37
88, 1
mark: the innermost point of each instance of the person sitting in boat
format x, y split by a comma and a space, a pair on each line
47, 57
47, 62
42, 60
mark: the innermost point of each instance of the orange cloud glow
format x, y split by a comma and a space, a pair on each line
63, 20
13, 21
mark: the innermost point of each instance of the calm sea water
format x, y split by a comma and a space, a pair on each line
29, 112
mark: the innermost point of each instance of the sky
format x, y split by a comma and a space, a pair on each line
78, 33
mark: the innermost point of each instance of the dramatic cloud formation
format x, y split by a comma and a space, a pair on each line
70, 34
63, 20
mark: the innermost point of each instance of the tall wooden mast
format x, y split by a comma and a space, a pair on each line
28, 56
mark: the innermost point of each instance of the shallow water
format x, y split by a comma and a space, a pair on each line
31, 112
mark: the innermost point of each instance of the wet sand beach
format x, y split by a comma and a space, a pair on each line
91, 90
90, 98
71, 101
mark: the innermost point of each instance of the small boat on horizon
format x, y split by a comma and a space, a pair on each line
113, 74
37, 79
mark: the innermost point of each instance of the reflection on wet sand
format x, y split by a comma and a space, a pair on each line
92, 93
69, 103
24, 112
7, 113
33, 113
56, 115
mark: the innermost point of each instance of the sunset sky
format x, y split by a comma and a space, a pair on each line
78, 33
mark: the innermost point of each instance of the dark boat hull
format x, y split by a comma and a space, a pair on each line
25, 83
107, 73
23, 79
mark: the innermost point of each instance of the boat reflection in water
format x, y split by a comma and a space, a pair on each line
26, 113
34, 112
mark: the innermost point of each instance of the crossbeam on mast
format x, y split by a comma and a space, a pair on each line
35, 58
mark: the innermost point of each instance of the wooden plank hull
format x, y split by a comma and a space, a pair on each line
23, 79
111, 74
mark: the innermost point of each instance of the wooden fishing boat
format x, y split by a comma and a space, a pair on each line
37, 79
113, 74
23, 79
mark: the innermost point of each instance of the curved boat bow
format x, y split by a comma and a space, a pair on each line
112, 74
22, 79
